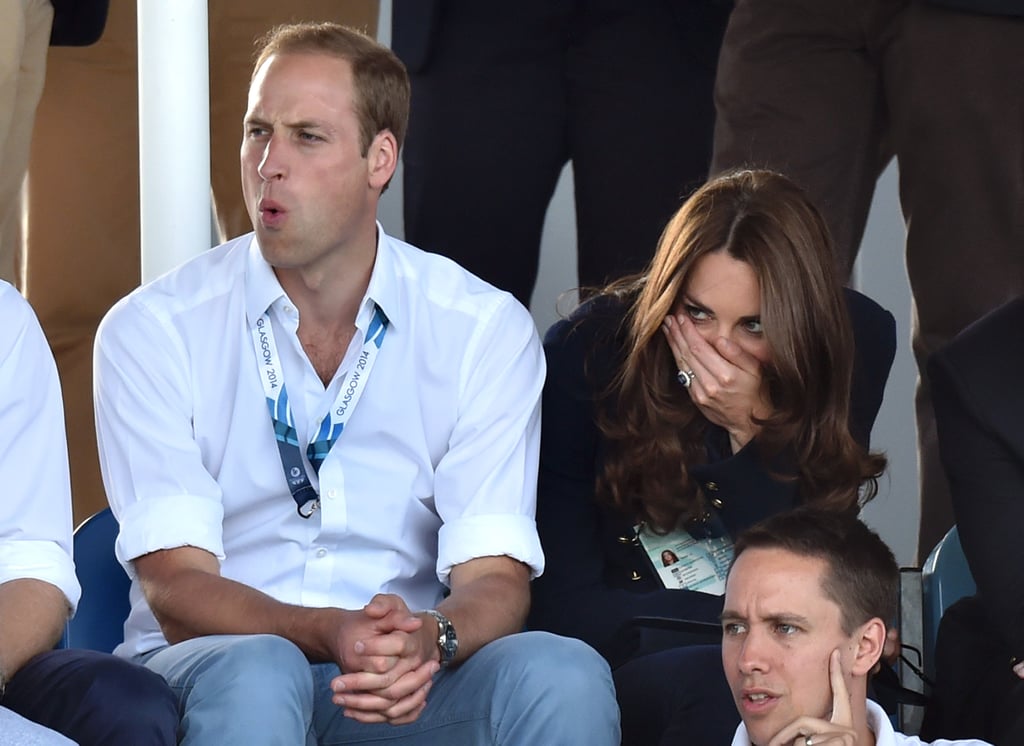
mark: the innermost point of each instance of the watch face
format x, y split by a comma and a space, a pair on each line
447, 641
451, 643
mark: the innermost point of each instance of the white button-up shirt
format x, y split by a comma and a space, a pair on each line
35, 497
437, 464
885, 735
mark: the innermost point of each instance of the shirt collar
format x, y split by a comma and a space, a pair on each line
383, 288
878, 722
262, 288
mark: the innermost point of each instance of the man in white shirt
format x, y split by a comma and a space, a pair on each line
393, 394
804, 624
91, 697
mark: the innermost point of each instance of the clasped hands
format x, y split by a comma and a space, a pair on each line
388, 657
728, 388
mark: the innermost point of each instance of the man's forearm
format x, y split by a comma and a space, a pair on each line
32, 616
190, 599
490, 599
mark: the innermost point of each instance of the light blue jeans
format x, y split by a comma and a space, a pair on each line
16, 729
529, 689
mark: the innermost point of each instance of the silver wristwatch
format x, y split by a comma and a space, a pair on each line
447, 641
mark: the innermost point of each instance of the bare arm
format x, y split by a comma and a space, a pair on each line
490, 598
190, 598
33, 613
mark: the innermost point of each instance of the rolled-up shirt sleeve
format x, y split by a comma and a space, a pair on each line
486, 484
152, 466
35, 502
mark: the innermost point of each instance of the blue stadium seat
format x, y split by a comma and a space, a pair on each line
945, 578
99, 622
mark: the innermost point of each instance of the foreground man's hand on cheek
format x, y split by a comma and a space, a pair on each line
837, 730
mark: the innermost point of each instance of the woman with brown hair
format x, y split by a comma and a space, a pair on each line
724, 384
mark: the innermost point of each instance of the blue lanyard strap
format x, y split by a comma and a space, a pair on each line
333, 423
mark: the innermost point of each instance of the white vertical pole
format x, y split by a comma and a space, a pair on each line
174, 132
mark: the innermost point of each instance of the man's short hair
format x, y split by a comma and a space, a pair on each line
862, 576
380, 81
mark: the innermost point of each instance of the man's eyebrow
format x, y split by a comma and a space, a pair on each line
301, 124
306, 124
780, 618
784, 618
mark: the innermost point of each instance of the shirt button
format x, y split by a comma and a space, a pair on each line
717, 503
635, 575
711, 486
321, 552
289, 310
332, 493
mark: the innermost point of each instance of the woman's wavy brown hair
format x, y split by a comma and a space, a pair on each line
655, 432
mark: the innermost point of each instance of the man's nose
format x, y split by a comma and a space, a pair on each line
272, 165
753, 654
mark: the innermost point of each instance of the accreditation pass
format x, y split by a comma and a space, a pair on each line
685, 562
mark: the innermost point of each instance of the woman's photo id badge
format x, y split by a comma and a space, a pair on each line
685, 562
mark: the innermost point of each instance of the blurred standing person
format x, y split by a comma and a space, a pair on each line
979, 674
84, 258
29, 27
828, 91
504, 94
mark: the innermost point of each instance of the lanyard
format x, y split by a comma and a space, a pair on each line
332, 424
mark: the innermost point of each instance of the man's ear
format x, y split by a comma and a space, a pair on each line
382, 158
870, 641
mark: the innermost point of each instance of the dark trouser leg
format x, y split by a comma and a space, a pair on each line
95, 699
486, 140
799, 91
641, 114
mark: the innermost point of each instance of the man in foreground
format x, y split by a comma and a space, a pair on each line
804, 624
354, 564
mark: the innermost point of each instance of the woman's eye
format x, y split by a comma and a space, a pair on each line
697, 313
754, 326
